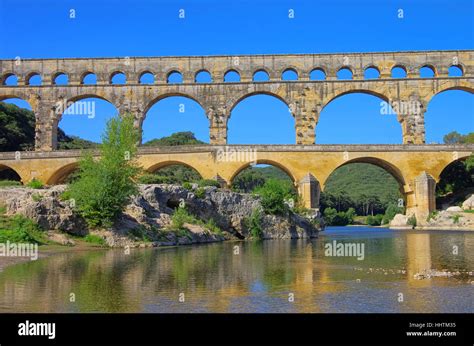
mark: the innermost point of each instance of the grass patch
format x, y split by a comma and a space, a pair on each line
182, 216
19, 229
35, 184
7, 183
95, 239
254, 224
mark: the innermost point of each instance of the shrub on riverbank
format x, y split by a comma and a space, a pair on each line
342, 218
254, 224
19, 229
274, 194
104, 186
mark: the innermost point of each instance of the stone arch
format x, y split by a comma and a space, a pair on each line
318, 68
346, 67
443, 165
203, 72
171, 94
32, 74
5, 76
14, 175
466, 88
261, 69
144, 72
70, 101
172, 71
233, 69
431, 67
56, 74
290, 69
460, 66
166, 163
369, 67
384, 164
85, 74
355, 91
240, 98
274, 163
60, 175
115, 73
399, 66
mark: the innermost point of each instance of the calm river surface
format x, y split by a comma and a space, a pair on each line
263, 277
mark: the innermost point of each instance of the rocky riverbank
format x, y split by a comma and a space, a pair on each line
453, 218
147, 220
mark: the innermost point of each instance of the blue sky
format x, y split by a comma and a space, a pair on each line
44, 29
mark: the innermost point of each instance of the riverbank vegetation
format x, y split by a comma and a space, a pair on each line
19, 229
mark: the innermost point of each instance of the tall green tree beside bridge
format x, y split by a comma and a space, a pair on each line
105, 185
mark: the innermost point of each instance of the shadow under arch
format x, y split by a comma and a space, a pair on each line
263, 162
61, 175
9, 173
453, 183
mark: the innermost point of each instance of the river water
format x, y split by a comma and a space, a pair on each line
254, 276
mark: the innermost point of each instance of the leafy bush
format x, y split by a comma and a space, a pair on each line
390, 213
180, 217
432, 215
375, 220
104, 186
19, 229
455, 218
273, 195
35, 184
95, 239
187, 185
208, 182
36, 197
254, 224
412, 221
212, 226
5, 183
334, 218
200, 192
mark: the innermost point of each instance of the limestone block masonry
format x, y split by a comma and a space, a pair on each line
305, 98
416, 166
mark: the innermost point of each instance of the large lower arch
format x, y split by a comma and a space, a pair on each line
263, 162
62, 175
454, 183
389, 167
9, 173
170, 163
367, 184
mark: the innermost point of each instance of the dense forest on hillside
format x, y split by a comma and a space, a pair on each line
17, 131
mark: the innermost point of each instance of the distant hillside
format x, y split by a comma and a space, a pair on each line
177, 138
17, 131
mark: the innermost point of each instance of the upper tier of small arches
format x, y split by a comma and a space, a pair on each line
231, 75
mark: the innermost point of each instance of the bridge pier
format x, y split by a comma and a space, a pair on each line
425, 196
309, 191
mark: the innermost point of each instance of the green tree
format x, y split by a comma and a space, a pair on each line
104, 186
273, 195
177, 138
